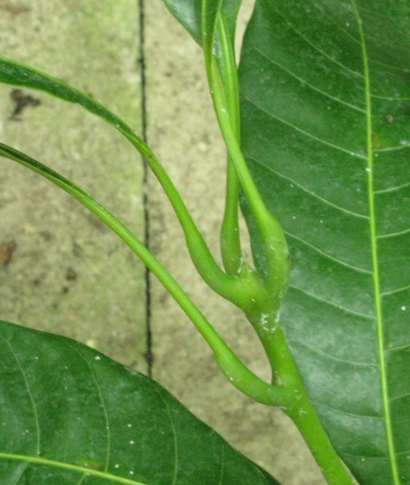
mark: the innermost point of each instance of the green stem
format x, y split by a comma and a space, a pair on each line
225, 285
230, 236
231, 366
17, 74
272, 235
296, 404
310, 427
274, 242
264, 315
228, 72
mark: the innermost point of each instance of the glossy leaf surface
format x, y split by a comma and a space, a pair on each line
325, 90
71, 415
189, 14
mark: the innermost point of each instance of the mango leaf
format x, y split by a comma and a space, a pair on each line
69, 414
189, 14
16, 74
326, 132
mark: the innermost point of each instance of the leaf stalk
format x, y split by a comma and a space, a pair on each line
231, 366
290, 392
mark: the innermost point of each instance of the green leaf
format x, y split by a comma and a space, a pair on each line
326, 131
189, 14
16, 74
69, 414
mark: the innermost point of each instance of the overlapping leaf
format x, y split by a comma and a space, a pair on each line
326, 131
189, 14
71, 415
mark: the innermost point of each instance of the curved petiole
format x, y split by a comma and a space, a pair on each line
231, 366
272, 235
17, 74
231, 287
230, 236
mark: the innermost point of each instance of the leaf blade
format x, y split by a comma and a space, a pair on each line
308, 139
88, 405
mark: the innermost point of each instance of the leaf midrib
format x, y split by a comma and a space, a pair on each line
375, 263
69, 466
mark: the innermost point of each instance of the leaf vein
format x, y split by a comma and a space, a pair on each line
401, 396
305, 133
345, 413
403, 146
398, 348
70, 467
342, 29
314, 88
392, 189
333, 357
330, 303
364, 457
305, 189
328, 256
391, 66
393, 234
21, 474
405, 452
397, 290
374, 252
315, 47
390, 98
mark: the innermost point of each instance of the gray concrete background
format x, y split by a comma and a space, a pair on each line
70, 275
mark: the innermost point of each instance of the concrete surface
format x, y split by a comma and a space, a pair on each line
67, 273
